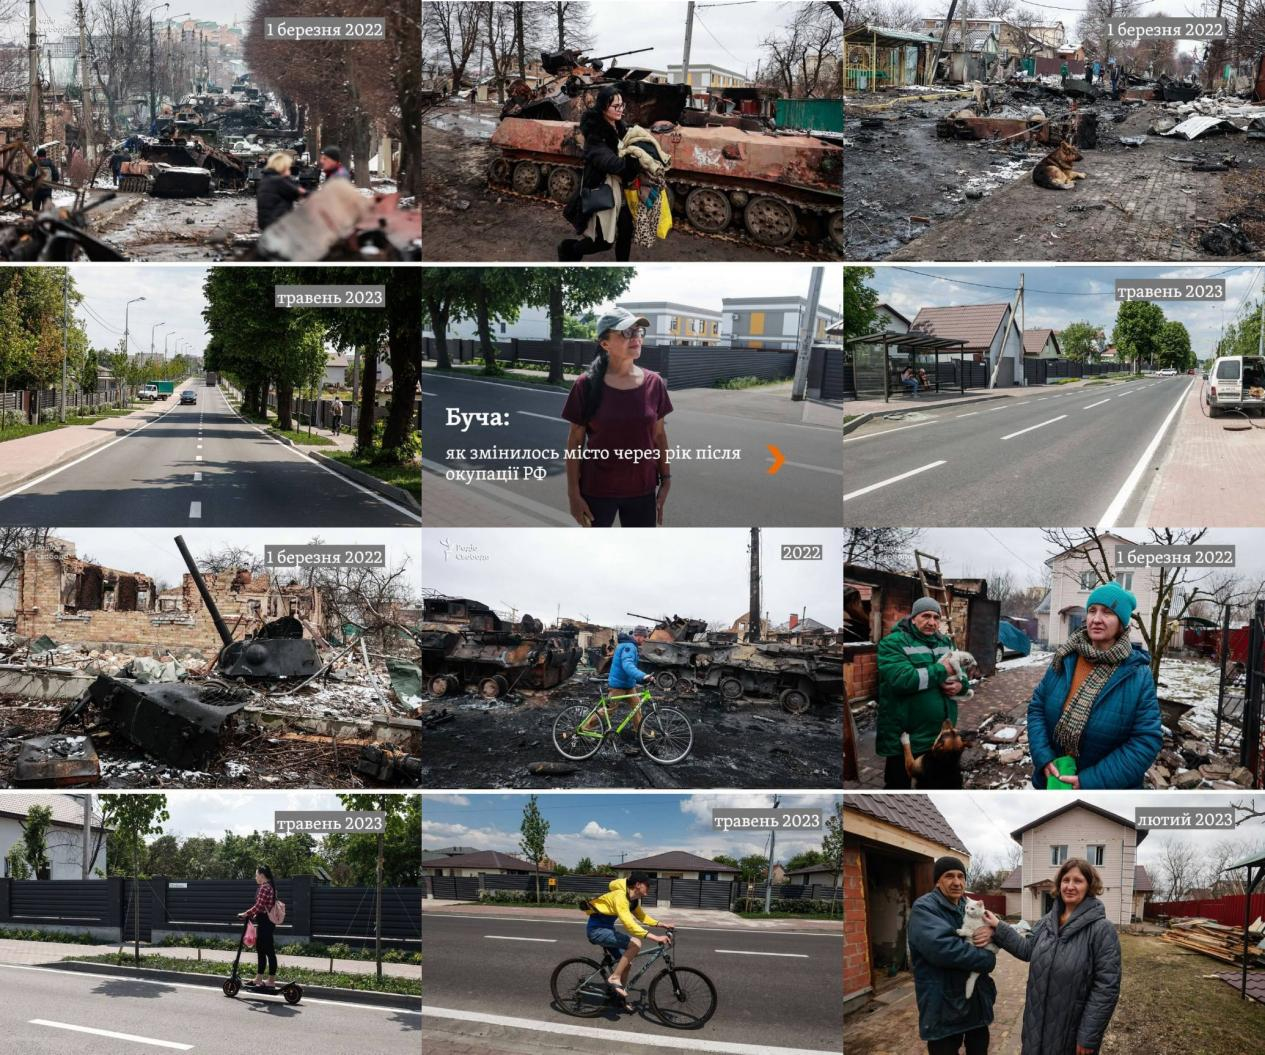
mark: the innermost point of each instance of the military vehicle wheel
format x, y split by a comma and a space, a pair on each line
442, 684
563, 181
730, 688
708, 210
795, 701
769, 221
834, 226
665, 680
494, 687
499, 171
685, 685
526, 179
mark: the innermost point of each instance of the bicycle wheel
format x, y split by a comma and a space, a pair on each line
570, 992
683, 998
568, 739
666, 735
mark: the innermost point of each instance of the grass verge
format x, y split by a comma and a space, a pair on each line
406, 477
838, 917
16, 432
303, 975
301, 437
526, 378
734, 383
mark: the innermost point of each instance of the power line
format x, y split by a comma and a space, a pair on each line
1030, 289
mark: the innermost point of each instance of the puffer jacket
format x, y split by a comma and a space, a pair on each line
601, 159
942, 961
1073, 978
909, 696
1122, 738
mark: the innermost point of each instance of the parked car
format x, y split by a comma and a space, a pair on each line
188, 396
149, 392
1235, 382
1011, 641
1168, 371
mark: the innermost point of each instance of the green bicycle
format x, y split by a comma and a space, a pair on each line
665, 733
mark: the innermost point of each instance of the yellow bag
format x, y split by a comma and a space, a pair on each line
665, 216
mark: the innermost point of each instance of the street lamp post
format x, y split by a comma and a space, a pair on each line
151, 337
126, 308
165, 338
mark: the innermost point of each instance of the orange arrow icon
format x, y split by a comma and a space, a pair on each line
778, 458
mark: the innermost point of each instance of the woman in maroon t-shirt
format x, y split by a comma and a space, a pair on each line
617, 449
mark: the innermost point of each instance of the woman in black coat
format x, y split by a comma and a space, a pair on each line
276, 192
1073, 956
605, 176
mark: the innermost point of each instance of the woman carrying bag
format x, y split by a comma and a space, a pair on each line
264, 915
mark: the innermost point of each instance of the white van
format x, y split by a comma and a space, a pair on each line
149, 392
1236, 382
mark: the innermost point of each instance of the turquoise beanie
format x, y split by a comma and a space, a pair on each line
1114, 596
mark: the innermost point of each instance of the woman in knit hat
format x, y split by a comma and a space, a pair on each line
1094, 719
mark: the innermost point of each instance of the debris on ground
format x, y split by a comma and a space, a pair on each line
1214, 939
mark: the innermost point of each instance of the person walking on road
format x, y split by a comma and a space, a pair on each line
265, 929
336, 412
42, 171
277, 192
597, 210
618, 406
331, 162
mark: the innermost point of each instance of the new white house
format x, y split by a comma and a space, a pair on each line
64, 838
1073, 579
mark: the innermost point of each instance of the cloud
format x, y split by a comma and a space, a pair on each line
595, 831
449, 800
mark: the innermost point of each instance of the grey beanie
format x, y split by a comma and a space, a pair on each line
926, 604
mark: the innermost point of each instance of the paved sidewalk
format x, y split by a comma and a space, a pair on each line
43, 952
933, 400
1206, 477
680, 917
28, 457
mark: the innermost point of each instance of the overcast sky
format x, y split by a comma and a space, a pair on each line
1057, 296
601, 576
983, 552
153, 551
706, 285
57, 17
984, 820
602, 826
212, 813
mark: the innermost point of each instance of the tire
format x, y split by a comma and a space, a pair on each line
567, 977
526, 178
293, 993
834, 227
708, 210
666, 735
231, 986
440, 685
769, 221
795, 701
730, 688
696, 1004
567, 742
1001, 654
494, 687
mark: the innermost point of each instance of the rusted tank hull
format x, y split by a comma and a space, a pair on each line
1011, 128
798, 676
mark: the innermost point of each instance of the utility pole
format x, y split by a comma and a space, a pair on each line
153, 112
377, 912
689, 36
753, 612
87, 832
85, 92
65, 320
1260, 339
807, 333
768, 885
935, 58
34, 129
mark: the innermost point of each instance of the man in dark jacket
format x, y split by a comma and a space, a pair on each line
43, 170
331, 162
602, 127
942, 961
915, 690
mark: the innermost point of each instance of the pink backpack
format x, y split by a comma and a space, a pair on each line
278, 912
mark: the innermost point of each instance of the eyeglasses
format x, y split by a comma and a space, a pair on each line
631, 332
616, 106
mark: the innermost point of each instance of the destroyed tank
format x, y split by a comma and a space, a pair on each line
466, 644
683, 657
729, 171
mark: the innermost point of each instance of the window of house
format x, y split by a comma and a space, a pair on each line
1089, 579
1125, 579
1095, 855
1058, 854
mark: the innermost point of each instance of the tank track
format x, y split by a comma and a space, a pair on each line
798, 249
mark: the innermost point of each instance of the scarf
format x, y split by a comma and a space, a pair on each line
1067, 733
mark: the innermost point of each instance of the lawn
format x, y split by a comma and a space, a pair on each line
18, 431
406, 477
304, 975
1168, 1007
303, 439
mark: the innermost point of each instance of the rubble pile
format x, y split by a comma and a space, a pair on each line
1216, 939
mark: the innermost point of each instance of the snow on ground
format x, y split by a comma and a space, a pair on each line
1031, 659
1195, 682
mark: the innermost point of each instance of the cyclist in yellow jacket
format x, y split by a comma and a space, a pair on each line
622, 902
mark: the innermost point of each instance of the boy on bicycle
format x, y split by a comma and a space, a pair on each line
622, 902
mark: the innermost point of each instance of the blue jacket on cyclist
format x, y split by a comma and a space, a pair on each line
624, 671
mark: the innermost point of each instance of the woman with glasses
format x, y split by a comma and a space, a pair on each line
597, 210
617, 449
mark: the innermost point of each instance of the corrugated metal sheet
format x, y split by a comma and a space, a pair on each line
1194, 127
818, 115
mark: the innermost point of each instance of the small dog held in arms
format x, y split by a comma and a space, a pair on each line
940, 767
959, 664
971, 922
1055, 172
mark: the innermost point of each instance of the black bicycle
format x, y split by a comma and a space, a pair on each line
680, 997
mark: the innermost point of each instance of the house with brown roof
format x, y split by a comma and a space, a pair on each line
890, 844
678, 864
991, 333
1079, 829
1041, 344
481, 863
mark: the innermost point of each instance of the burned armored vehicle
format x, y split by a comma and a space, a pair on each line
683, 655
467, 645
729, 171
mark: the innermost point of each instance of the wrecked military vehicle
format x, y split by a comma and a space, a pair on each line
683, 656
464, 643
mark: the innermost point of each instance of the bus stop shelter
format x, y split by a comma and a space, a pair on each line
872, 359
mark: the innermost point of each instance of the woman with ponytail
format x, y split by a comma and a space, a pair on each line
265, 929
617, 449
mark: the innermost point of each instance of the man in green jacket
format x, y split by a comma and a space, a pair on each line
915, 691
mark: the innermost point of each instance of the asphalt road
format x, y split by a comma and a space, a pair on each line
202, 466
1083, 455
45, 1011
804, 492
773, 988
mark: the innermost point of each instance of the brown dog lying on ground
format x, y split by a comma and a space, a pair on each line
939, 767
1055, 172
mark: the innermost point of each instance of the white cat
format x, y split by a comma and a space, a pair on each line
973, 920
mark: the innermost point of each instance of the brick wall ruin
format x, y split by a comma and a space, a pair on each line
75, 602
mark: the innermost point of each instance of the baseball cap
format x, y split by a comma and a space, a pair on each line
619, 319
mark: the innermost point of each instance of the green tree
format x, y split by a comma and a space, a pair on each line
16, 859
832, 842
445, 300
1137, 330
804, 859
35, 839
860, 303
564, 291
1173, 346
535, 830
584, 867
352, 859
725, 859
578, 329
132, 817
1079, 342
498, 295
754, 868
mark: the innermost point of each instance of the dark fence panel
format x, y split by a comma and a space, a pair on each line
702, 367
151, 893
453, 888
833, 384
347, 914
63, 902
702, 893
213, 904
